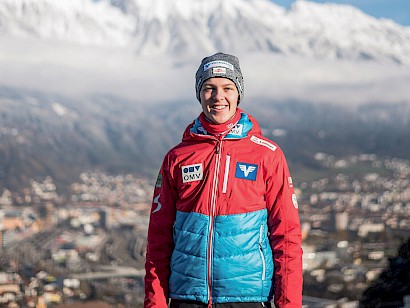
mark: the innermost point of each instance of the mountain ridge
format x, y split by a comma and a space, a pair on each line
328, 31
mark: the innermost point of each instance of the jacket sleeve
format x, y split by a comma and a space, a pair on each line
285, 235
160, 242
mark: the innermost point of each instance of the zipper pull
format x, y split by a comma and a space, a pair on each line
217, 147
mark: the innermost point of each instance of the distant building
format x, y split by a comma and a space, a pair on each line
105, 220
365, 229
342, 221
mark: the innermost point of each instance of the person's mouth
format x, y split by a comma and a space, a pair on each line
219, 107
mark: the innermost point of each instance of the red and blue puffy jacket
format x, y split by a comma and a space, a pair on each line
224, 225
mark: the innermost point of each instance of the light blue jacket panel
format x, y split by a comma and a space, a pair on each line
241, 264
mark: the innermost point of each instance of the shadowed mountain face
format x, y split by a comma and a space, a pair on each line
48, 135
44, 134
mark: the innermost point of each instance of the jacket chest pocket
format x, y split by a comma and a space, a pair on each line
226, 174
242, 184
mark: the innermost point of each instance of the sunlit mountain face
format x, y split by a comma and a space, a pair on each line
188, 27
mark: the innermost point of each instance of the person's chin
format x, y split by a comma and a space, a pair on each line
218, 120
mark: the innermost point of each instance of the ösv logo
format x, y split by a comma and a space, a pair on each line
246, 171
192, 173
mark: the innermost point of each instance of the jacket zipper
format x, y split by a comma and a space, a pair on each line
212, 218
261, 252
226, 175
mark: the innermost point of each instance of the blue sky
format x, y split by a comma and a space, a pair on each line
398, 10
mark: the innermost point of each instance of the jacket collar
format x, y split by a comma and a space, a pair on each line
239, 130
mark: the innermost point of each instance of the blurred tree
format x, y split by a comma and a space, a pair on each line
393, 283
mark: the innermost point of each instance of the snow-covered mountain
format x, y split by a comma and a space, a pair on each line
85, 83
189, 27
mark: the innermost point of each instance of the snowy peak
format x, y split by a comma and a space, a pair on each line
191, 9
343, 31
189, 27
329, 11
79, 21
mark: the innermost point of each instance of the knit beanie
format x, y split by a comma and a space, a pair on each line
219, 65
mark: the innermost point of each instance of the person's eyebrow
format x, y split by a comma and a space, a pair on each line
223, 85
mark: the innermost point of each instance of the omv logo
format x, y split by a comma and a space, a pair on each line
192, 173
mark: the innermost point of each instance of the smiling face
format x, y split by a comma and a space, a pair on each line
219, 99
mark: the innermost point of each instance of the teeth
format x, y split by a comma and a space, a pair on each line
218, 107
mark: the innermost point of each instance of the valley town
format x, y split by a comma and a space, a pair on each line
89, 246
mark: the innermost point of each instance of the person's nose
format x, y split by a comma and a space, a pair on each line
218, 94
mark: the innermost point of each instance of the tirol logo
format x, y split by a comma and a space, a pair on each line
237, 130
192, 173
158, 183
246, 171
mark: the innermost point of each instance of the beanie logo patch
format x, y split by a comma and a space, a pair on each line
219, 70
218, 63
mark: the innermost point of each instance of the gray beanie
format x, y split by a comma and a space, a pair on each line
219, 65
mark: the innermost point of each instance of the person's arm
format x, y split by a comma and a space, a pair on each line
160, 241
285, 236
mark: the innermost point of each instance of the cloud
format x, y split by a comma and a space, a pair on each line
327, 81
75, 70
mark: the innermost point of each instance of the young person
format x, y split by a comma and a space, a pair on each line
224, 228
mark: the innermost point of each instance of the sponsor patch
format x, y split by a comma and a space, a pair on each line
290, 181
192, 173
237, 130
246, 171
263, 143
158, 183
212, 64
219, 70
295, 201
